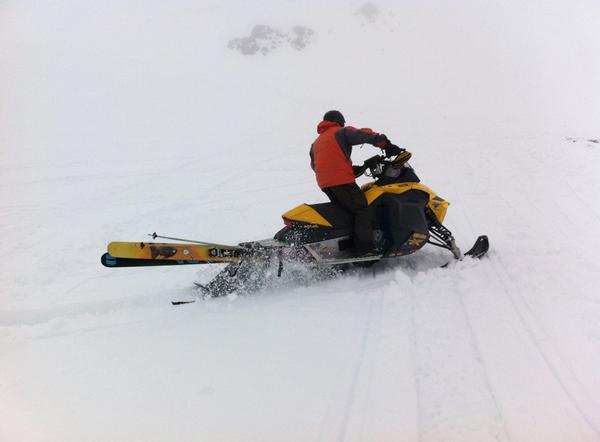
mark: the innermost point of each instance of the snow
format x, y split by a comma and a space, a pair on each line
118, 119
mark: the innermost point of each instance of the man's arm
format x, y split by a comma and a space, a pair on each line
353, 136
350, 136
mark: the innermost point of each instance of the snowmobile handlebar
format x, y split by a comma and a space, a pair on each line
373, 164
377, 163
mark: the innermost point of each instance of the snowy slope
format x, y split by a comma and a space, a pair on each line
123, 118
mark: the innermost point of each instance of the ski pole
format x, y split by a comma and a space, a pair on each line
204, 243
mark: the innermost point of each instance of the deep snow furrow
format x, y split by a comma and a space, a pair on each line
386, 407
375, 333
345, 416
372, 396
415, 369
505, 434
356, 371
455, 401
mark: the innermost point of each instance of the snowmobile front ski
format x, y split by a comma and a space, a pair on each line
480, 247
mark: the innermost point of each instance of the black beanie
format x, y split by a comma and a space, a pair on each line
335, 116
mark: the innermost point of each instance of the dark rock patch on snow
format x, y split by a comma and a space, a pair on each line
300, 37
264, 39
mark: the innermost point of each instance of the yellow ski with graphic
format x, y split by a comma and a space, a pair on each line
174, 252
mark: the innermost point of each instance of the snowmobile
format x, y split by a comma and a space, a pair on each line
406, 216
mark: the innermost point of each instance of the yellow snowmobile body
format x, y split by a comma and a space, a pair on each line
305, 213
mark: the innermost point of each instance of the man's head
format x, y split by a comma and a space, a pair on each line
335, 116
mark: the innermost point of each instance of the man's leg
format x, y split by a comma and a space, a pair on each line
351, 198
330, 194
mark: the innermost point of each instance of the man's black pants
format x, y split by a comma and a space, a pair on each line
351, 198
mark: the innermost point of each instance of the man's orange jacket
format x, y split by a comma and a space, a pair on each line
330, 153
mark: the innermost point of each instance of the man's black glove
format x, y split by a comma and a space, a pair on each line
392, 150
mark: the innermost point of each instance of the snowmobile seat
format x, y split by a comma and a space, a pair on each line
341, 223
335, 214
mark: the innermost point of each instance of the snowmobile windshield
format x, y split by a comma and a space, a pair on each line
395, 174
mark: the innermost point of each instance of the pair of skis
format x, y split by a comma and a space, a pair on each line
146, 254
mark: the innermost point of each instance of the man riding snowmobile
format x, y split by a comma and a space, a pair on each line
330, 159
402, 216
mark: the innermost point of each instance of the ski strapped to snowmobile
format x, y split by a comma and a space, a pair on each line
406, 216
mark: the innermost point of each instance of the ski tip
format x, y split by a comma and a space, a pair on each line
108, 261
